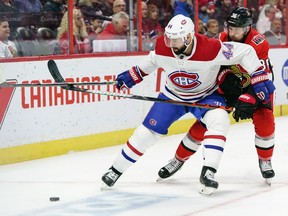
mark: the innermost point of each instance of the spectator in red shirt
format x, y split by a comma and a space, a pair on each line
117, 29
153, 22
80, 35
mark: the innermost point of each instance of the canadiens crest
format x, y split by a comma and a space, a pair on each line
257, 39
184, 80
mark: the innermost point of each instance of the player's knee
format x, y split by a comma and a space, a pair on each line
143, 138
263, 120
217, 121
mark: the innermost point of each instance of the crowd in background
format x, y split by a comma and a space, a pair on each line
40, 27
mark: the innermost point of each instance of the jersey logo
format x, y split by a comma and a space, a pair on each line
184, 80
228, 53
258, 39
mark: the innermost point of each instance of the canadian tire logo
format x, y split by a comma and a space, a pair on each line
6, 95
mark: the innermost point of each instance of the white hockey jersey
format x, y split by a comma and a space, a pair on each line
191, 78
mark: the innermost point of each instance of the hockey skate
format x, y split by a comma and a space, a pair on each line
110, 177
266, 170
170, 169
207, 180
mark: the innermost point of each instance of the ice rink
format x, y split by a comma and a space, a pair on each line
25, 188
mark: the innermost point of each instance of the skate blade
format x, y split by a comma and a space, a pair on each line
268, 181
206, 190
104, 187
159, 179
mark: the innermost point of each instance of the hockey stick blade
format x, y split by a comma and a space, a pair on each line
54, 71
11, 85
58, 78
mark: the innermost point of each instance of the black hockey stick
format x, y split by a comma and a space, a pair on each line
58, 78
7, 84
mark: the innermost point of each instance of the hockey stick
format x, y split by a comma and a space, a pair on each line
9, 85
59, 79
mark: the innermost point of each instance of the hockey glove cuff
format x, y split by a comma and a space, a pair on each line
228, 83
263, 87
129, 78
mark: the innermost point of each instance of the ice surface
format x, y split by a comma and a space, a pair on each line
25, 188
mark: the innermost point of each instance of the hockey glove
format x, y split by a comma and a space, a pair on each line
263, 87
244, 107
229, 83
129, 78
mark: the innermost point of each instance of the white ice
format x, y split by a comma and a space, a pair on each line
25, 188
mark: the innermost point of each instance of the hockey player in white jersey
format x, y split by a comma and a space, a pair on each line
191, 63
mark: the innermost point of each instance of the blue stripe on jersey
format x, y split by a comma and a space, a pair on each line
127, 157
219, 148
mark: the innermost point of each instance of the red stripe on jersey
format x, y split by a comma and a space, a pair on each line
134, 150
207, 48
215, 137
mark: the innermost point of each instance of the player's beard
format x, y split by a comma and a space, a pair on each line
179, 51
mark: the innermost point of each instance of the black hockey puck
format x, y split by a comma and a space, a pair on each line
53, 199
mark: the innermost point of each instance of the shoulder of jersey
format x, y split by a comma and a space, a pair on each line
161, 48
257, 40
207, 48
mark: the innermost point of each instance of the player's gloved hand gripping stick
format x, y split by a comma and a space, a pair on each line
124, 80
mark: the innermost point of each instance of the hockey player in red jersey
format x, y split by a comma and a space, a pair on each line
191, 76
260, 109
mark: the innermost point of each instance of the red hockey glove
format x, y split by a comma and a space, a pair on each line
263, 87
228, 83
244, 107
129, 78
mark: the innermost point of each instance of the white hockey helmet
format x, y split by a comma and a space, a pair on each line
179, 27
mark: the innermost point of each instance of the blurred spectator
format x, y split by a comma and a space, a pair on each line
264, 21
222, 13
206, 10
54, 6
201, 28
7, 6
80, 35
92, 9
253, 5
183, 7
283, 20
7, 47
28, 6
145, 27
155, 29
281, 4
154, 25
94, 28
109, 6
165, 10
117, 29
274, 36
118, 5
212, 28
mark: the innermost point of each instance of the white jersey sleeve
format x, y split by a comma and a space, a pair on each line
239, 53
148, 65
